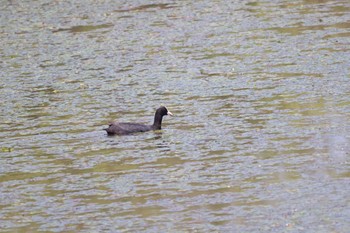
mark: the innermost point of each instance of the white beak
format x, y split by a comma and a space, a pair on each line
169, 113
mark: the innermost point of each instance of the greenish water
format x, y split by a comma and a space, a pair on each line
260, 137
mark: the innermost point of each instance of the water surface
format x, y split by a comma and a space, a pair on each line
260, 140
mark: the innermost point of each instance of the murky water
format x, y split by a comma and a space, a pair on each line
260, 140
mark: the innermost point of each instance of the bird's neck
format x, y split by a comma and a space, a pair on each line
157, 124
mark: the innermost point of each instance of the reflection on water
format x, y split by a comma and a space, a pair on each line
259, 142
77, 29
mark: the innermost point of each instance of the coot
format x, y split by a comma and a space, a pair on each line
116, 128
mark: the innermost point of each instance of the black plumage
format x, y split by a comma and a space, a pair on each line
122, 128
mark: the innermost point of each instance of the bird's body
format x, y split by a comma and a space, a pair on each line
127, 128
121, 128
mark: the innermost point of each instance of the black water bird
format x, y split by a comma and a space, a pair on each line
117, 128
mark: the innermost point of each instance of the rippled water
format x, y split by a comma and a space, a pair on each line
260, 140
